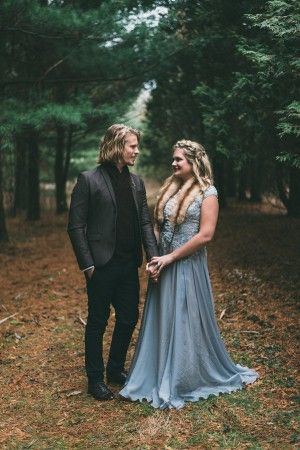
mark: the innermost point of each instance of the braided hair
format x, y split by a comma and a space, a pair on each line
187, 191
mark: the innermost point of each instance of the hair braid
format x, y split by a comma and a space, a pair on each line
201, 180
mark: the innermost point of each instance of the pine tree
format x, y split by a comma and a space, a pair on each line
70, 68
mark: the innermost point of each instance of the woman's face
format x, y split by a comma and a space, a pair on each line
181, 167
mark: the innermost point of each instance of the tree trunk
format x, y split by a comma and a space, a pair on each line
68, 157
33, 199
280, 186
68, 152
243, 183
231, 179
20, 175
220, 172
255, 180
3, 230
60, 181
293, 207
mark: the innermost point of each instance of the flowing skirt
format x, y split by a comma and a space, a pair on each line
180, 355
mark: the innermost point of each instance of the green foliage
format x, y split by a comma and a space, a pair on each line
230, 82
68, 65
289, 121
290, 159
281, 18
223, 74
17, 115
193, 95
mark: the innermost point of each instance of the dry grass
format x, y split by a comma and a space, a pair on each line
254, 267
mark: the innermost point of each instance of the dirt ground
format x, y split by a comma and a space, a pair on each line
254, 267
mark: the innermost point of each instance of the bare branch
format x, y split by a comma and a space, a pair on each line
52, 67
6, 318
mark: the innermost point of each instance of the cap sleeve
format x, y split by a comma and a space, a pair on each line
210, 191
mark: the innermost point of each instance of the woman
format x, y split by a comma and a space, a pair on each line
180, 354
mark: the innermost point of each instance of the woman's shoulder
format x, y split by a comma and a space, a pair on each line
211, 190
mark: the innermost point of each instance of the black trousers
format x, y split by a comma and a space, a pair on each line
116, 284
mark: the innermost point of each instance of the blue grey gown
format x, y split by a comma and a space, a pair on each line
180, 355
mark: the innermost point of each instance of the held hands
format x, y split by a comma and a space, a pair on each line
151, 270
157, 263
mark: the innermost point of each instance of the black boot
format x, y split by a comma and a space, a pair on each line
117, 377
100, 391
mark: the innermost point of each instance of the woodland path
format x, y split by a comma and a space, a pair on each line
254, 267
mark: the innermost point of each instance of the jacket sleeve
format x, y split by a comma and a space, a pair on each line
77, 222
148, 237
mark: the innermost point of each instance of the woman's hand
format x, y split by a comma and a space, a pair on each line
160, 262
152, 271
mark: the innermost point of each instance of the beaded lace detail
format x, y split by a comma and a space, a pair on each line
173, 236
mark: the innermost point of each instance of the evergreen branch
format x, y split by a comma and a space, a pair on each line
78, 37
65, 80
29, 81
33, 33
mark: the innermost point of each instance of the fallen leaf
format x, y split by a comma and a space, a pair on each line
60, 294
222, 314
70, 394
82, 321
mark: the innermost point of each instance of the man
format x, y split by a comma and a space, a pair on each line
108, 223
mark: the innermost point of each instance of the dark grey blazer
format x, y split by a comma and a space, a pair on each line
92, 219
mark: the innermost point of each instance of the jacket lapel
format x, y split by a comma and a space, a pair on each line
111, 190
108, 184
133, 188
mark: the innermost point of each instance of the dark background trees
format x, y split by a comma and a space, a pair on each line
232, 85
69, 71
223, 73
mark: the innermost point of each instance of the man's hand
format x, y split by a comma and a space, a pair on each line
151, 269
89, 273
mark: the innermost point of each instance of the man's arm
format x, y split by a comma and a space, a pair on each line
148, 236
77, 224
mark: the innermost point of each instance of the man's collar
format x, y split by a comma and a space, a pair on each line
111, 167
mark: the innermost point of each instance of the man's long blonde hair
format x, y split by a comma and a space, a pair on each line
113, 143
196, 185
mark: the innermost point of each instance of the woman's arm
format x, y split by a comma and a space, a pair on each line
208, 222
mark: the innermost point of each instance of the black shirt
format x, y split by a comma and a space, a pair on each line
126, 223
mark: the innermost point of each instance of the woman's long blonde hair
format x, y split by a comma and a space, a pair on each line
112, 144
202, 178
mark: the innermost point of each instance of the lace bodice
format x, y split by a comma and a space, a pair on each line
171, 236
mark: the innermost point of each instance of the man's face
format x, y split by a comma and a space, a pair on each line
131, 150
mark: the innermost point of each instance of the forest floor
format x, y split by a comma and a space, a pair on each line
254, 266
